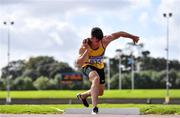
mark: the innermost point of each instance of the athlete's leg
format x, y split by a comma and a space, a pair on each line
86, 94
86, 71
101, 89
94, 90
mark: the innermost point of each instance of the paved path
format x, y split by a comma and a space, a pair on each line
83, 116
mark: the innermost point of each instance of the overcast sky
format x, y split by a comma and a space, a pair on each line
57, 27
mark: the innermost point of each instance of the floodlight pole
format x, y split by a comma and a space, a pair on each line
132, 72
108, 73
119, 51
8, 98
132, 65
167, 98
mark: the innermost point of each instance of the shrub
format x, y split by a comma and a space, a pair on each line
41, 83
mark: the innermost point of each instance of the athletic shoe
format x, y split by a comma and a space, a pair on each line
84, 101
95, 111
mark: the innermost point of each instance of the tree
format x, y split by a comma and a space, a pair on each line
30, 73
46, 66
60, 67
40, 65
23, 83
14, 69
2, 84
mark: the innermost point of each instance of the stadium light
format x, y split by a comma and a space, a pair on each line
167, 98
8, 24
107, 61
119, 51
131, 45
108, 73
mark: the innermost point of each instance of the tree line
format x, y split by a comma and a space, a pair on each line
44, 72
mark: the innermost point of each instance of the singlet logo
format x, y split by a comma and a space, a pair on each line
96, 60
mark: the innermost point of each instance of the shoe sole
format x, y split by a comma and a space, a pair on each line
79, 98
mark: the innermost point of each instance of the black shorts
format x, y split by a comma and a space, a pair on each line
87, 69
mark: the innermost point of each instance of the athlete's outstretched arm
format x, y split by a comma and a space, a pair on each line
116, 35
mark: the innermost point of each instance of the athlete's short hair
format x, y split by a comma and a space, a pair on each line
97, 32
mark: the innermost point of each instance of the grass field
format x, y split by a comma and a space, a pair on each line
108, 94
58, 109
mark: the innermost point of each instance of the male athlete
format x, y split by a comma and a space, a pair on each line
90, 60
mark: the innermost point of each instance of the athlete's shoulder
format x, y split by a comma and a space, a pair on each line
107, 39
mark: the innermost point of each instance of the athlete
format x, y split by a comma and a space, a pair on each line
90, 60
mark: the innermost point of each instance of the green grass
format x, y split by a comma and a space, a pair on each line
58, 109
108, 94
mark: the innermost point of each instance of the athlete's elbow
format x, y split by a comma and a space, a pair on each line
79, 63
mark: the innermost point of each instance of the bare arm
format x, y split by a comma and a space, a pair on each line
83, 54
117, 35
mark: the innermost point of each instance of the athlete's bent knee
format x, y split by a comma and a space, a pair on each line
101, 93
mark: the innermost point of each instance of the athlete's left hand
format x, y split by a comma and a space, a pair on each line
135, 39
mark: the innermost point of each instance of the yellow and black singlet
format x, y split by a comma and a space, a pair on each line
96, 57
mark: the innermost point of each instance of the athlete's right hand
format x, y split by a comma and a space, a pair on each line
85, 43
